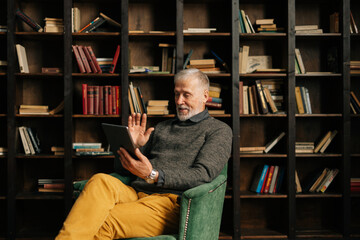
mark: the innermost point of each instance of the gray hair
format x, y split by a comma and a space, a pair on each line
193, 73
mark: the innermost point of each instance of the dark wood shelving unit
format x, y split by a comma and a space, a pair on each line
247, 215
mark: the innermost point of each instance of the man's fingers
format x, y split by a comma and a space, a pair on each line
149, 131
143, 120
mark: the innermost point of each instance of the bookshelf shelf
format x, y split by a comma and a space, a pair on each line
2, 74
318, 35
280, 115
323, 233
262, 36
94, 75
262, 155
164, 34
257, 233
319, 155
39, 156
39, 75
318, 115
207, 35
95, 35
39, 196
39, 116
2, 115
94, 157
250, 195
355, 195
319, 195
95, 116
263, 75
318, 74
150, 75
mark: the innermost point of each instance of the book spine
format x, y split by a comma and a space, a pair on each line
329, 180
101, 97
96, 100
113, 91
261, 96
23, 140
84, 59
92, 22
106, 100
92, 54
115, 59
33, 141
84, 99
268, 179
34, 25
118, 99
89, 59
90, 100
262, 178
97, 24
28, 140
110, 100
78, 59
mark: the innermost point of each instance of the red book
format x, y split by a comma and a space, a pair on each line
110, 100
84, 59
101, 97
268, 179
92, 54
96, 100
265, 179
213, 105
78, 59
118, 99
106, 100
90, 100
89, 59
84, 98
54, 185
113, 91
116, 56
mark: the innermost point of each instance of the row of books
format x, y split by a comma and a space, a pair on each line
354, 103
268, 26
255, 64
3, 151
51, 185
136, 101
268, 179
168, 57
98, 22
29, 140
3, 28
101, 100
54, 25
302, 98
321, 146
308, 29
25, 109
88, 63
317, 181
265, 96
354, 67
89, 149
263, 149
355, 185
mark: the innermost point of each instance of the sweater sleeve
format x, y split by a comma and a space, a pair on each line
211, 159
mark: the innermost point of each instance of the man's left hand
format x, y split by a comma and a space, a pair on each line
141, 168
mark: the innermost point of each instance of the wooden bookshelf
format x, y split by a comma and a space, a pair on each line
247, 215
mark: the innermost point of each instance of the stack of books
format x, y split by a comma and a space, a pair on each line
136, 101
355, 185
3, 151
354, 103
263, 149
58, 150
157, 107
3, 28
51, 185
105, 64
3, 66
303, 102
204, 65
168, 57
320, 180
101, 100
214, 103
308, 29
145, 69
89, 149
325, 141
267, 179
304, 147
267, 26
199, 30
54, 25
245, 25
30, 140
354, 67
34, 109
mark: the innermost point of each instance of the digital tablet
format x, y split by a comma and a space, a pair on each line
119, 136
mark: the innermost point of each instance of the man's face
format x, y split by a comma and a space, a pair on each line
190, 98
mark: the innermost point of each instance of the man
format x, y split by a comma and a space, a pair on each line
176, 155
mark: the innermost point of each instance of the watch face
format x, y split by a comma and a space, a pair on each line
150, 181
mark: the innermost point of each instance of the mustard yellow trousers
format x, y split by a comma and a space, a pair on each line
109, 209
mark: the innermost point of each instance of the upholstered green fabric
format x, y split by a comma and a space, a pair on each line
200, 209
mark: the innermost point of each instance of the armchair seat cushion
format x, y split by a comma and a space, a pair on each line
162, 237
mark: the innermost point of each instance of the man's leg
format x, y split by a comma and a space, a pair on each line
151, 215
100, 195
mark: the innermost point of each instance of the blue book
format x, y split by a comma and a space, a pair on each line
187, 58
242, 27
280, 179
215, 99
262, 178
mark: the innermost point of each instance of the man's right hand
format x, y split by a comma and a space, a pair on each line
137, 128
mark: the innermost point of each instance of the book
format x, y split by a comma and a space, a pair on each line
84, 59
29, 21
243, 59
322, 142
22, 58
75, 19
188, 58
270, 100
78, 59
269, 179
88, 25
300, 61
85, 145
273, 142
115, 59
261, 97
50, 70
110, 20
23, 140
222, 62
262, 178
258, 62
90, 59
157, 102
306, 27
334, 23
264, 21
297, 183
329, 180
28, 140
328, 141
299, 100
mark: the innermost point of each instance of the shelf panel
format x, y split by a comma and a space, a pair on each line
251, 195
224, 236
262, 75
95, 75
41, 35
96, 116
262, 35
158, 34
318, 195
319, 155
2, 197
262, 115
318, 35
355, 195
319, 74
94, 157
2, 115
96, 35
39, 75
150, 75
318, 234
325, 115
262, 155
262, 234
37, 156
39, 115
40, 196
355, 155
2, 74
213, 34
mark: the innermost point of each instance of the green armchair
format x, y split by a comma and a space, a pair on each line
200, 209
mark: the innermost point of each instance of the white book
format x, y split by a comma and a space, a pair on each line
273, 179
307, 96
23, 140
28, 140
23, 63
329, 180
272, 143
246, 99
326, 144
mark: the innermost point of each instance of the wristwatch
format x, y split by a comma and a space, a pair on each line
151, 178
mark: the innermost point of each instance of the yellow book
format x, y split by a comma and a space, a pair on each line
299, 101
322, 142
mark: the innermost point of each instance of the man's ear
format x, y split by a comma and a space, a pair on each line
206, 95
